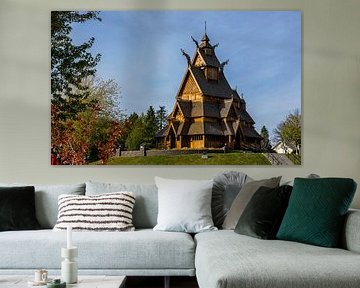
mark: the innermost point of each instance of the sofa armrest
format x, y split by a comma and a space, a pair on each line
351, 234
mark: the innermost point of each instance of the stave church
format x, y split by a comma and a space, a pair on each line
207, 112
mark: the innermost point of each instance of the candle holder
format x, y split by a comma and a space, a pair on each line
69, 271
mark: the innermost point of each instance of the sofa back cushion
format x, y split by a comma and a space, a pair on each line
146, 204
46, 200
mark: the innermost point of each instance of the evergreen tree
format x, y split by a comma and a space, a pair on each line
70, 63
150, 125
161, 117
265, 142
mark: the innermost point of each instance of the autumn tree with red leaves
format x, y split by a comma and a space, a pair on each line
85, 113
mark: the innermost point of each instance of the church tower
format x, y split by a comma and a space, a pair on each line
208, 113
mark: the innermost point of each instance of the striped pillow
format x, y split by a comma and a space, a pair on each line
105, 212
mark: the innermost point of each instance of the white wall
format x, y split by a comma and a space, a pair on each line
331, 92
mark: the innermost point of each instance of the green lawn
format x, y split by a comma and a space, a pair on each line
194, 159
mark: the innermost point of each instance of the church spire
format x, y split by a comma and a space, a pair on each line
205, 41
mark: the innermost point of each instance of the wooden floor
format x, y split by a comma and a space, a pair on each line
158, 282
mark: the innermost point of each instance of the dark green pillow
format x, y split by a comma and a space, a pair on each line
316, 211
264, 212
17, 208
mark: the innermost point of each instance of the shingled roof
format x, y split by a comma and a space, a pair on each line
183, 128
210, 60
244, 115
250, 132
163, 132
220, 88
225, 107
196, 128
208, 128
185, 107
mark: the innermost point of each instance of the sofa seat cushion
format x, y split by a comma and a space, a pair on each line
142, 249
226, 259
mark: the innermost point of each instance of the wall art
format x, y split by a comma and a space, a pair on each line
176, 87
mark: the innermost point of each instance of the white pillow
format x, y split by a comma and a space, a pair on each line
184, 205
105, 212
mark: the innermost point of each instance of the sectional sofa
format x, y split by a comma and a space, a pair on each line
218, 259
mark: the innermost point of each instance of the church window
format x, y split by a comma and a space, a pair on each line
197, 137
212, 73
207, 51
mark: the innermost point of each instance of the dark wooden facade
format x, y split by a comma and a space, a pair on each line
208, 113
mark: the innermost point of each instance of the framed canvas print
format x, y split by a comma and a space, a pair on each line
176, 87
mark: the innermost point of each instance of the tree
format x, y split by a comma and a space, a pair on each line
289, 131
161, 119
150, 125
88, 137
127, 125
137, 134
104, 138
85, 110
70, 63
104, 96
265, 142
92, 134
70, 139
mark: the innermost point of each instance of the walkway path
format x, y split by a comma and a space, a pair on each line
278, 159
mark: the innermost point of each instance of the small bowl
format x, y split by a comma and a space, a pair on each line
56, 283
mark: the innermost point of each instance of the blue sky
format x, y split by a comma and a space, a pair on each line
141, 52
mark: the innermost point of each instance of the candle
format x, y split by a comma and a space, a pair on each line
69, 237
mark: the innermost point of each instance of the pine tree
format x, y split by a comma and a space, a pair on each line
161, 117
151, 128
70, 63
265, 142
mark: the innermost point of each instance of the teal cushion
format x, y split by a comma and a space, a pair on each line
316, 211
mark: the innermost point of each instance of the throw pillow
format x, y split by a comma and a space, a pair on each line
291, 182
146, 205
184, 205
226, 187
263, 215
46, 200
106, 212
243, 198
317, 209
17, 208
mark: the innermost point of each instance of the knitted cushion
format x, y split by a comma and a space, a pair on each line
106, 212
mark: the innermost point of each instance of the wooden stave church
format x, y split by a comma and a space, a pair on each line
208, 113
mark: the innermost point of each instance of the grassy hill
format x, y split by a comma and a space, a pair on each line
194, 159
